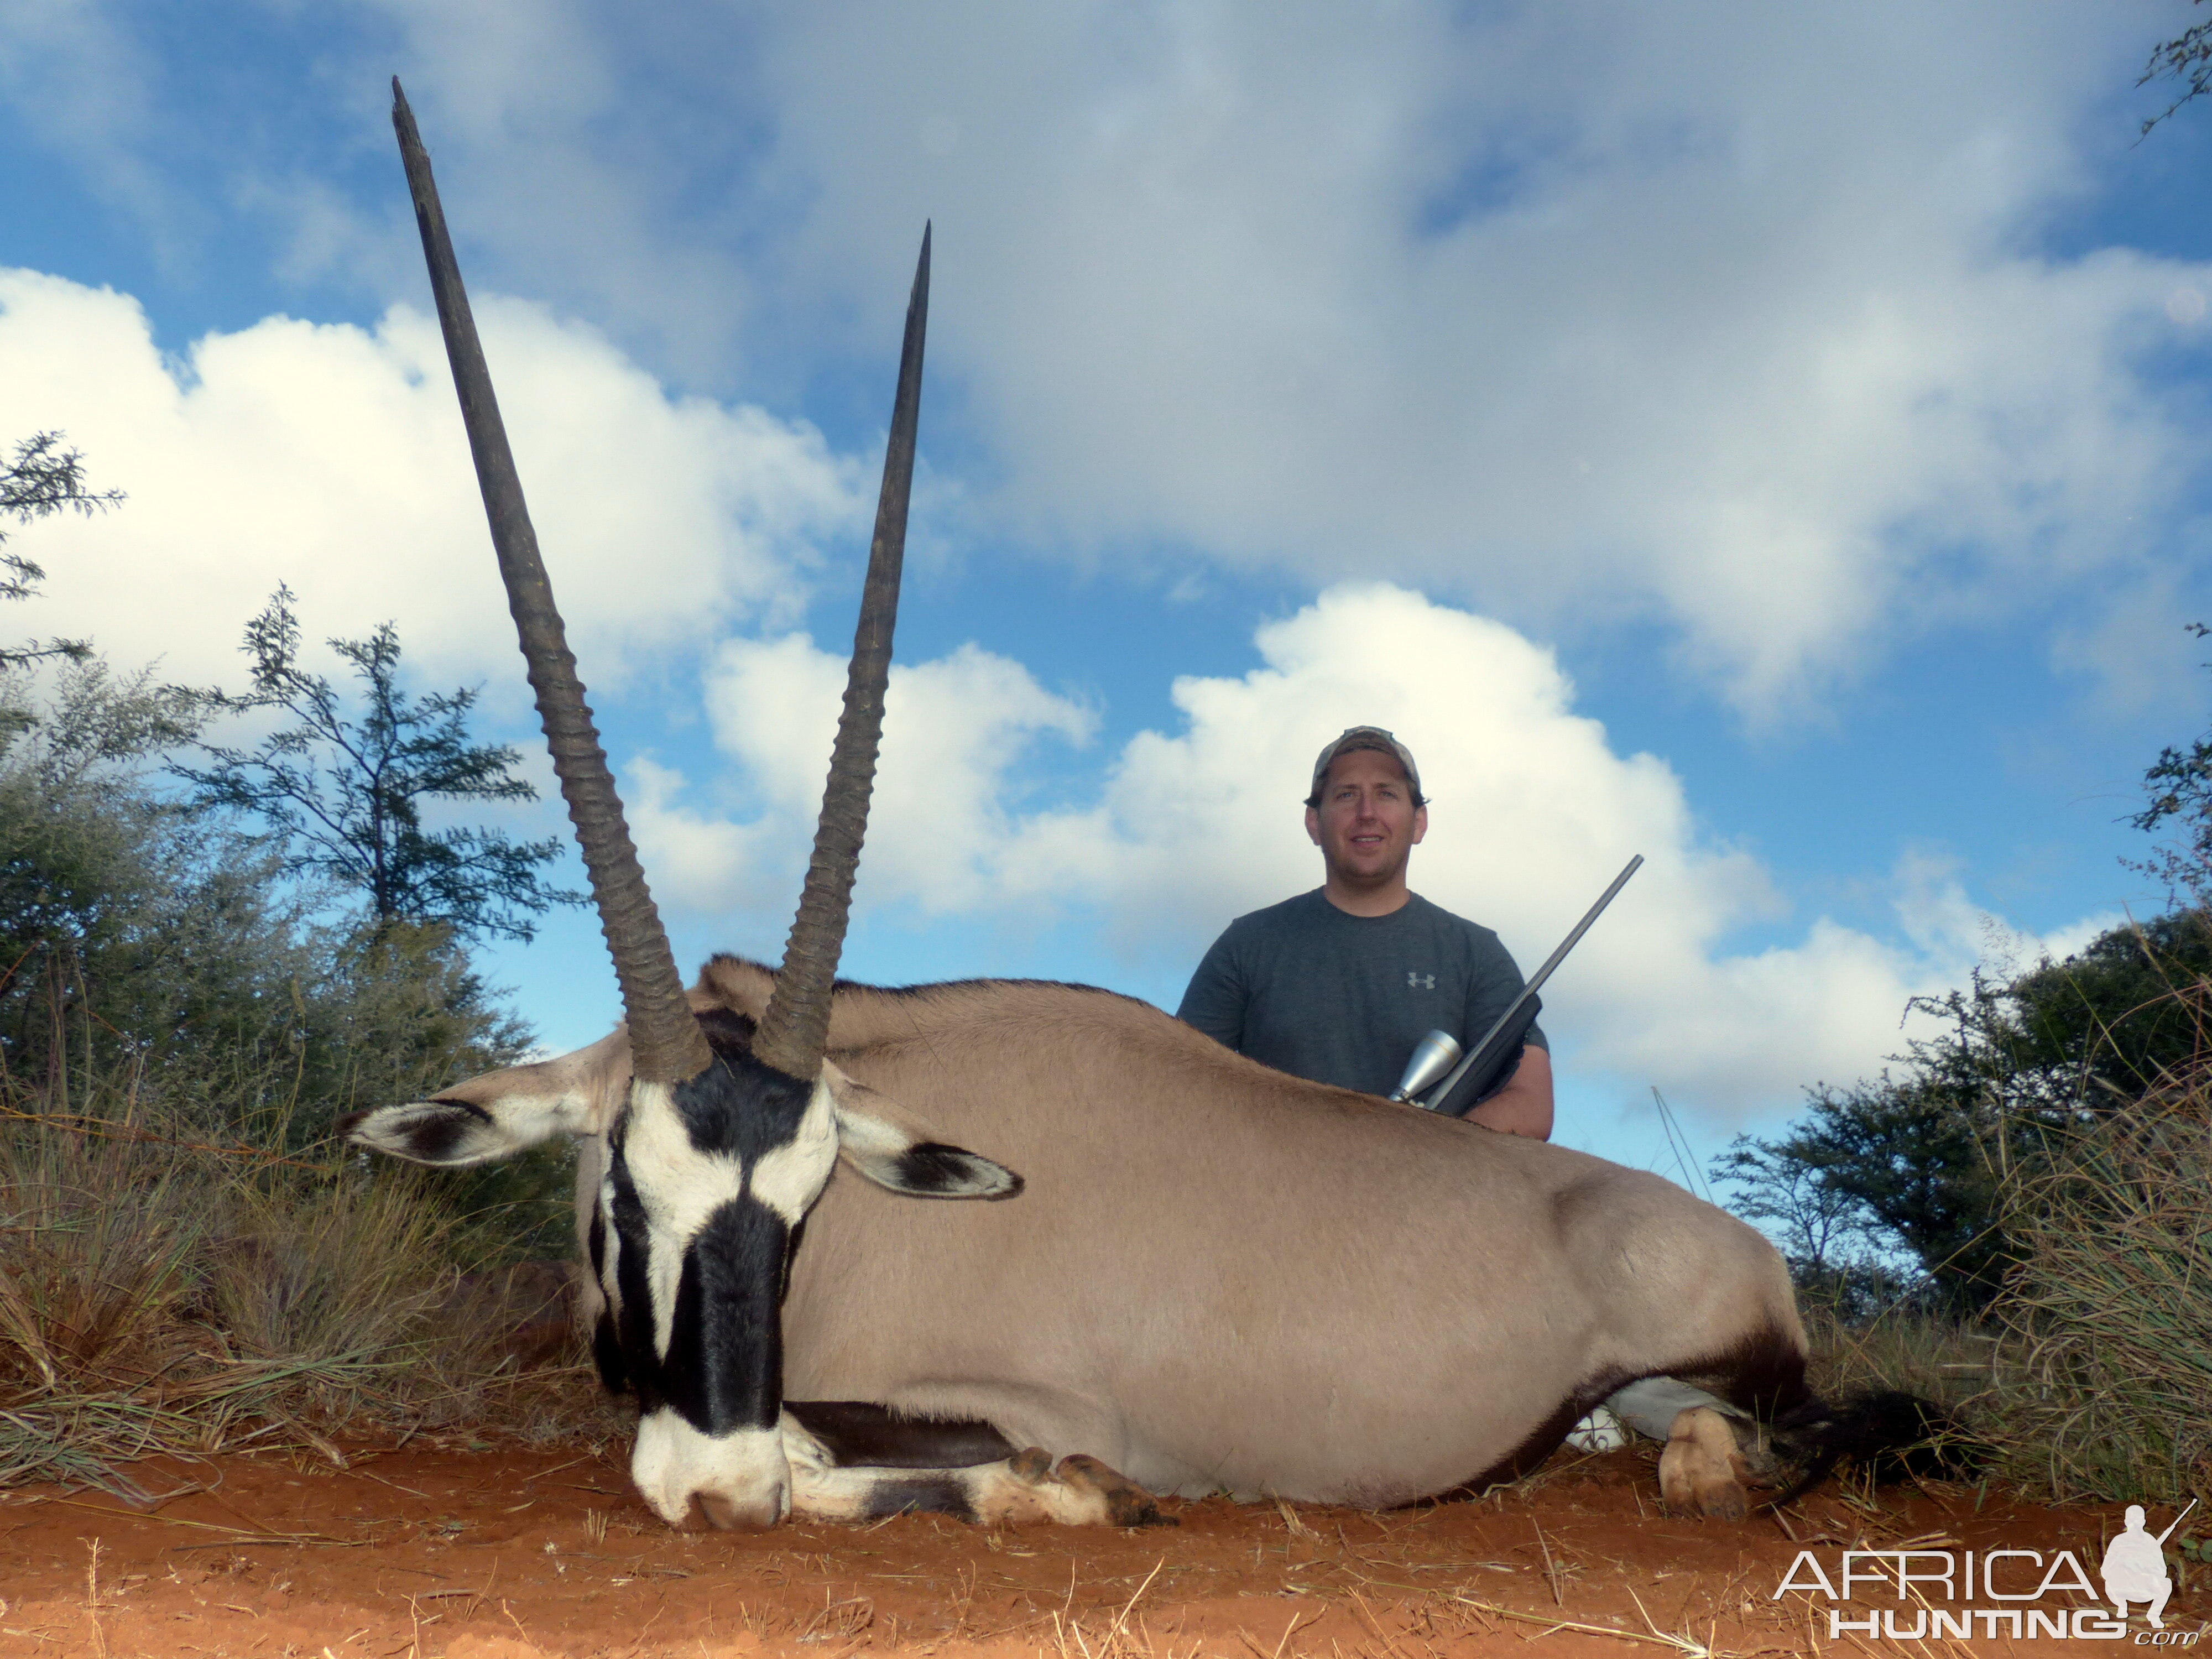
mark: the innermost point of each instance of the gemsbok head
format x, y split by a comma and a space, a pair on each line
719, 1133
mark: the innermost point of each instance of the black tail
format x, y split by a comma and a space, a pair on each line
1892, 1435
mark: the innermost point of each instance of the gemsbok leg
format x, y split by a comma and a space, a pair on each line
1703, 1469
1011, 1491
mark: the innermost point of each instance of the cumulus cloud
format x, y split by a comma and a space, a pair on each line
1532, 812
943, 808
1736, 317
333, 458
1739, 317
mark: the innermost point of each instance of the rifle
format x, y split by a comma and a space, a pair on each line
1503, 1040
2177, 1521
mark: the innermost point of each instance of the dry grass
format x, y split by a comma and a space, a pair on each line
2108, 1304
162, 1297
1959, 1365
2087, 1376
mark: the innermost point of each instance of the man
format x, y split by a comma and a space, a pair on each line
1339, 984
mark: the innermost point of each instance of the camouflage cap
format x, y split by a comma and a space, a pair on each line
1365, 737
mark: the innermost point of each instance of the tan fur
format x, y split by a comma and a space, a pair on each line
1222, 1277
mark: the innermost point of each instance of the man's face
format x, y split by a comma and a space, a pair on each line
1366, 825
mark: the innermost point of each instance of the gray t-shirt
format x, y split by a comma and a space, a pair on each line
1313, 991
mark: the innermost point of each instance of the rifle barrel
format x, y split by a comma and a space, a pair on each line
2176, 1522
1443, 1090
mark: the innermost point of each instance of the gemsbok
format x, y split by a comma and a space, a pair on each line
1206, 1277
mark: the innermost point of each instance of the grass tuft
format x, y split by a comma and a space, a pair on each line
158, 1294
2110, 1302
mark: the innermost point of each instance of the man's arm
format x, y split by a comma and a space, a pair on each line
1214, 1002
1523, 1106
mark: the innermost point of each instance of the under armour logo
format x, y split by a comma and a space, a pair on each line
1420, 982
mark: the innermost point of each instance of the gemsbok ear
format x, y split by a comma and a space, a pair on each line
500, 1113
447, 1133
883, 1142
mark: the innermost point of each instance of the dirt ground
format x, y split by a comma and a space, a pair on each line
457, 1548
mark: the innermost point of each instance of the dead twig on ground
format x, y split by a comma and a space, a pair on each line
1687, 1646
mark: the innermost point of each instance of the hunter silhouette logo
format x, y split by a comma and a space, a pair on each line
2019, 1590
2134, 1565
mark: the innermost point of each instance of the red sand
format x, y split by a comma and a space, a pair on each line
510, 1553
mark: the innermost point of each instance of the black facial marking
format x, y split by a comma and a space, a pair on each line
725, 1365
633, 1323
737, 1106
790, 1255
606, 1354
929, 1169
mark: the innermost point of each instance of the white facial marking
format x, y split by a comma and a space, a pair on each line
790, 1177
680, 1186
744, 1474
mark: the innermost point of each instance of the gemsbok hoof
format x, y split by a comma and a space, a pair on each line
1081, 1491
1126, 1504
1700, 1471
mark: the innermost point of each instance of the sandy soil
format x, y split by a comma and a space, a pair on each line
456, 1548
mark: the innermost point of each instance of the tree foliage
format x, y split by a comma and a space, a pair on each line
40, 479
163, 960
2187, 58
1895, 1183
144, 939
343, 790
1905, 1173
2180, 789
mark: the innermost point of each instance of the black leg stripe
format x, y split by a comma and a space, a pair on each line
860, 1435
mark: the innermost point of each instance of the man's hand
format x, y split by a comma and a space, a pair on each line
1523, 1106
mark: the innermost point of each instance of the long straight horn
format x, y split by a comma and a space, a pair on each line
665, 1043
794, 1028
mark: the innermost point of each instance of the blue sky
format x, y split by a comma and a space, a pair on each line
1771, 440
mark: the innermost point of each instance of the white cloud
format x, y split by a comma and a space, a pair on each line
81, 77
943, 809
1738, 316
1732, 314
1532, 812
333, 458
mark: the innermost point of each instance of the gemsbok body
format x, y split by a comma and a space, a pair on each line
1163, 1268
1214, 1278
